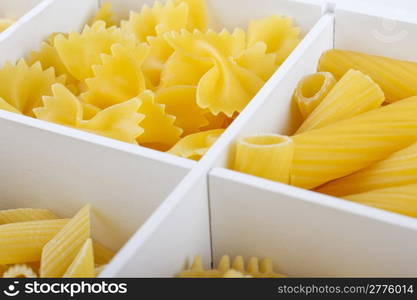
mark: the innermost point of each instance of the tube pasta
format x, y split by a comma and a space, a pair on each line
354, 94
25, 215
397, 170
311, 90
337, 150
62, 249
401, 199
398, 79
268, 156
23, 242
102, 255
83, 264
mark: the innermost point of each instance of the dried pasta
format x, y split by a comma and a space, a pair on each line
269, 156
311, 91
62, 249
401, 199
5, 23
24, 215
102, 255
19, 271
398, 79
352, 95
83, 264
104, 14
337, 150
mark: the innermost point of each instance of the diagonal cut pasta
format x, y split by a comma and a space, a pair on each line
83, 264
19, 271
352, 95
197, 14
195, 145
79, 52
23, 87
5, 23
278, 33
311, 91
398, 169
258, 61
102, 255
104, 14
397, 78
191, 70
23, 242
401, 199
180, 101
24, 215
152, 21
268, 156
337, 150
118, 79
61, 250
159, 131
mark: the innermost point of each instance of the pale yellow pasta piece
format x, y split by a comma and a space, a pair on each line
396, 170
118, 79
3, 268
337, 150
180, 101
397, 78
104, 14
152, 21
22, 242
258, 61
5, 23
102, 255
25, 214
19, 271
268, 156
401, 199
23, 87
219, 121
79, 52
83, 264
311, 90
197, 14
279, 34
160, 132
195, 145
98, 270
235, 274
256, 269
6, 106
352, 95
60, 251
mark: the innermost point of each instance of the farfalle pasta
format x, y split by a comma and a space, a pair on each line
159, 79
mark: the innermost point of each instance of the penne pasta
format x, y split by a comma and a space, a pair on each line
269, 156
102, 255
337, 150
354, 94
25, 214
401, 199
60, 251
83, 264
398, 79
23, 242
311, 90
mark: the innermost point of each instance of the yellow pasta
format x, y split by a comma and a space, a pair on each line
159, 130
197, 14
263, 269
23, 242
235, 274
23, 87
278, 33
269, 156
25, 215
337, 150
83, 264
102, 255
401, 199
104, 14
354, 94
5, 23
311, 91
194, 146
98, 270
60, 251
397, 170
7, 107
219, 121
180, 101
19, 271
398, 79
118, 79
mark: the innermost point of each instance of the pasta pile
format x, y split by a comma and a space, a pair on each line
254, 269
5, 23
358, 139
36, 243
160, 79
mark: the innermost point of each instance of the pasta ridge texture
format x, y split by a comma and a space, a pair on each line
83, 264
